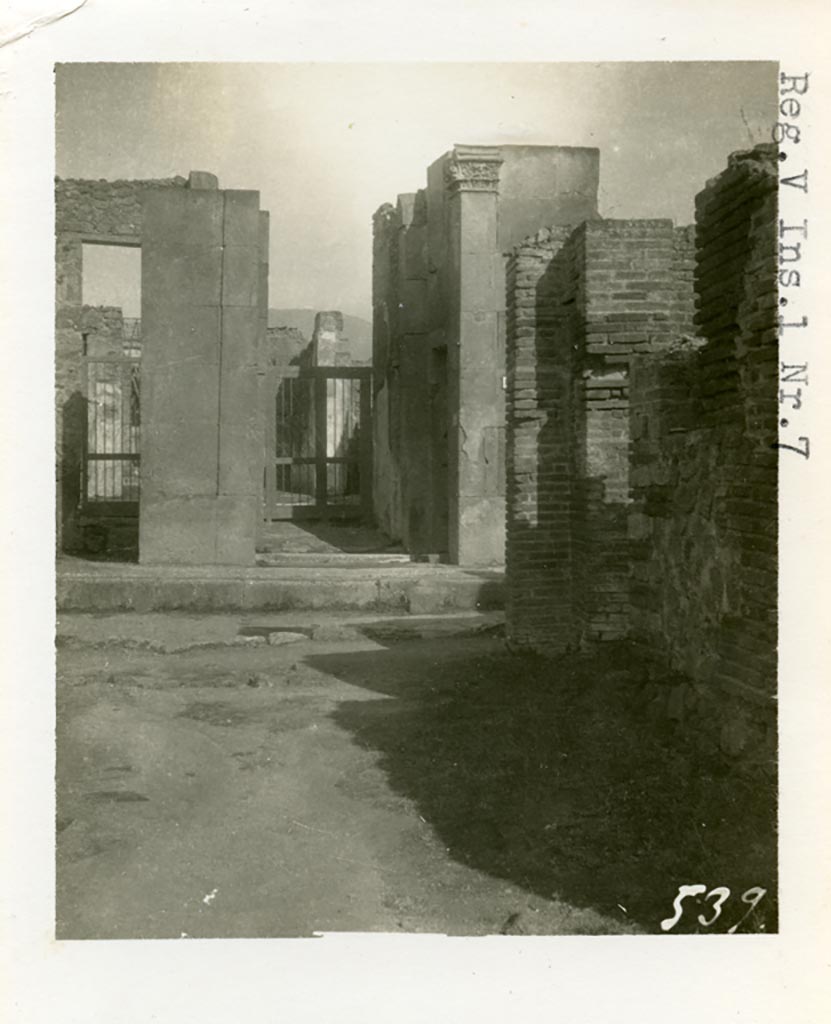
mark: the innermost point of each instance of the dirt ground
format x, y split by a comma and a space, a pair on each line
403, 774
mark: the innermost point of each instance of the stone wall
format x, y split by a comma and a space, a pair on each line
409, 334
439, 338
284, 346
85, 211
642, 477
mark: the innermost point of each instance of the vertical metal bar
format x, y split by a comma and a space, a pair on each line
94, 436
109, 431
320, 410
124, 438
337, 418
353, 470
307, 417
365, 446
135, 430
85, 432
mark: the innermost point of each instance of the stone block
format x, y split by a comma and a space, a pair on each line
236, 522
478, 223
240, 334
281, 595
241, 276
177, 530
481, 531
202, 180
414, 314
415, 252
262, 295
482, 283
264, 228
164, 473
172, 271
241, 218
240, 433
178, 337
163, 395
182, 217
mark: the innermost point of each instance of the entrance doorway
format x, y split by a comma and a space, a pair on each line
318, 463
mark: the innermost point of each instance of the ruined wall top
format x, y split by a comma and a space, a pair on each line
329, 347
113, 209
758, 164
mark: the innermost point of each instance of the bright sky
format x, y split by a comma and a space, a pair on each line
327, 144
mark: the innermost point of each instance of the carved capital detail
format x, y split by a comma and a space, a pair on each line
473, 169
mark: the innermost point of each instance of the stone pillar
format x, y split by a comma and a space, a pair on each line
202, 318
475, 361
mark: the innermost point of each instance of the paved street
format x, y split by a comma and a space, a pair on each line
211, 783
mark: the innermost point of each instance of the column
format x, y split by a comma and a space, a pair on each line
475, 360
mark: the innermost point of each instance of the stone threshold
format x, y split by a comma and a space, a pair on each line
412, 588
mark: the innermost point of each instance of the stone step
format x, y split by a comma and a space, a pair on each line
324, 559
413, 588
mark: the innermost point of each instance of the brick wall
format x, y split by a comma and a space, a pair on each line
704, 422
642, 478
581, 304
540, 449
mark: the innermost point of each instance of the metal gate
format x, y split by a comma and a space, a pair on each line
110, 460
318, 462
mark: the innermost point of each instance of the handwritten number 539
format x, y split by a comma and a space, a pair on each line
719, 896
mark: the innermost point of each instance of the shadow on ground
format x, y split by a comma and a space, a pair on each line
546, 774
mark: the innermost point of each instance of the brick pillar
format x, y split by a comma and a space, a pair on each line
475, 362
202, 318
540, 450
577, 314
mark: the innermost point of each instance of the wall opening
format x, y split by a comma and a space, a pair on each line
112, 277
111, 338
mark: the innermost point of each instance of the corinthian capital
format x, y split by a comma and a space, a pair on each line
473, 169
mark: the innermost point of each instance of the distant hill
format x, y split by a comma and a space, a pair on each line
355, 328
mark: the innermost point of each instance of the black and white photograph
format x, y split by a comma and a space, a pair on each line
414, 512
417, 498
